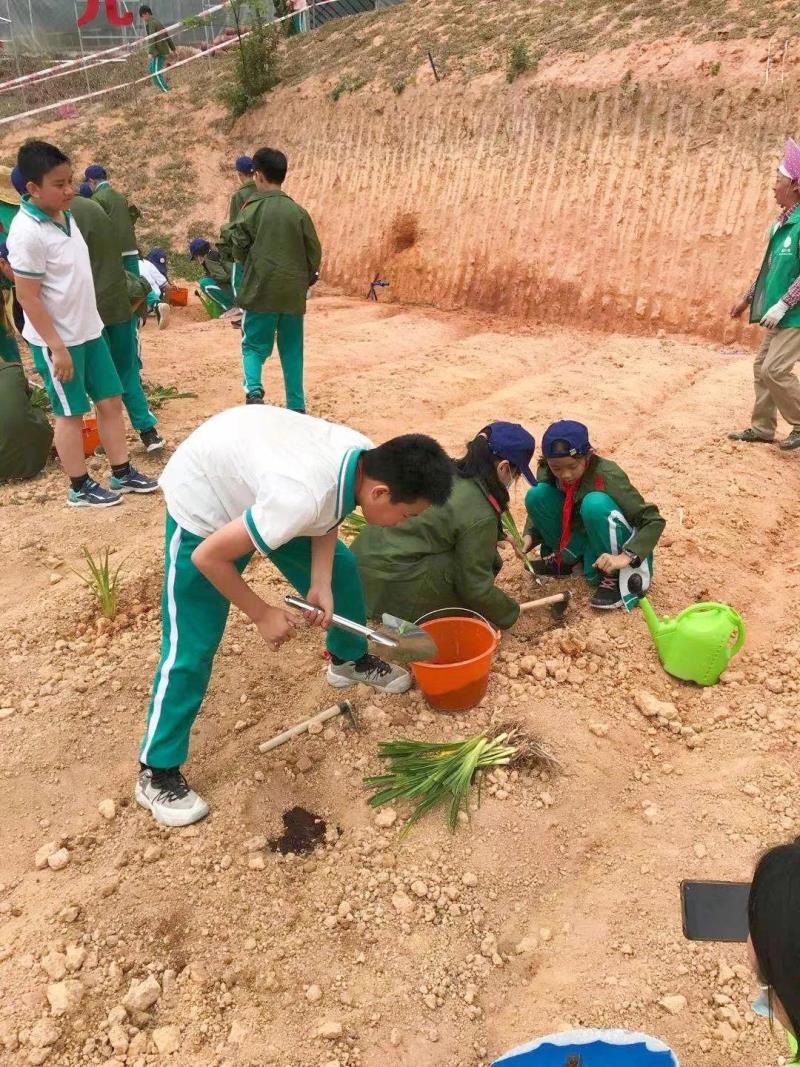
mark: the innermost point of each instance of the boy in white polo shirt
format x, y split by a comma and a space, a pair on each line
54, 283
276, 481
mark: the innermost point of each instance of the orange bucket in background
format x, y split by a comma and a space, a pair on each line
457, 679
177, 296
91, 438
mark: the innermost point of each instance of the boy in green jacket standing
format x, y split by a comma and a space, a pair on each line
122, 214
589, 519
774, 301
274, 238
120, 324
159, 48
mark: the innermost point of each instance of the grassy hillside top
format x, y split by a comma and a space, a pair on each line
474, 37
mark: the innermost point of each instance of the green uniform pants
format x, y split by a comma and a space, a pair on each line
220, 294
193, 618
259, 330
131, 264
123, 340
605, 528
155, 69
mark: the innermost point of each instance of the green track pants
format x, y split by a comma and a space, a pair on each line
123, 340
155, 69
193, 618
605, 528
259, 331
130, 263
220, 294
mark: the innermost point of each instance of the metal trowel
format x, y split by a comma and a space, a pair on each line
399, 641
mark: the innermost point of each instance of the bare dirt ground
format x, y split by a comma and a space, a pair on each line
558, 905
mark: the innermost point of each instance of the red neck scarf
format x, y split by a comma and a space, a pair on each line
566, 516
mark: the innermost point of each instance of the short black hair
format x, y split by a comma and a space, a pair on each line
145, 9
37, 158
272, 164
413, 466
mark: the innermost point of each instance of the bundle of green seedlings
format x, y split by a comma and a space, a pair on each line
511, 528
431, 774
157, 395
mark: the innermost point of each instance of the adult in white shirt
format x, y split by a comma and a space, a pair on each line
265, 479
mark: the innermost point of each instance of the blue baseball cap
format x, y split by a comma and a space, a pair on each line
510, 441
3, 251
244, 164
158, 258
94, 172
565, 438
84, 189
19, 183
199, 247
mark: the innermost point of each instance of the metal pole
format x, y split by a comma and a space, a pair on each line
16, 53
80, 44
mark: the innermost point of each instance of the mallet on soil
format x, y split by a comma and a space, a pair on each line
558, 604
344, 708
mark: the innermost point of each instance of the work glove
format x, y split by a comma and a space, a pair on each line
774, 315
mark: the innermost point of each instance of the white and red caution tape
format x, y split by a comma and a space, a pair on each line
125, 85
71, 66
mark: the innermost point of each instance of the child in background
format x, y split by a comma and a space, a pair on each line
247, 188
271, 481
9, 350
276, 241
216, 284
448, 556
121, 325
158, 287
122, 214
588, 518
85, 190
159, 47
53, 276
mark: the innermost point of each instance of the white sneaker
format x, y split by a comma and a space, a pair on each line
370, 670
166, 794
163, 312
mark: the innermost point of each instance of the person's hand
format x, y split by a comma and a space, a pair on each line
739, 308
277, 626
321, 598
608, 564
527, 543
774, 315
63, 368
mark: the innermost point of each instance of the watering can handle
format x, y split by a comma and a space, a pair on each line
734, 616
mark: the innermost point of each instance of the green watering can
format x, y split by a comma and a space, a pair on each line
696, 645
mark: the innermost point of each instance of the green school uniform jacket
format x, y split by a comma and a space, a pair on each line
25, 432
276, 241
242, 194
122, 214
603, 475
163, 45
446, 557
110, 285
218, 268
779, 270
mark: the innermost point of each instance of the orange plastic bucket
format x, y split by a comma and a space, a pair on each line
177, 296
456, 680
91, 438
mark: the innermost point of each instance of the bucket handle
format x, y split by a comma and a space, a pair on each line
734, 616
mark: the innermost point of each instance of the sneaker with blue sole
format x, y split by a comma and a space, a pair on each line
92, 495
134, 482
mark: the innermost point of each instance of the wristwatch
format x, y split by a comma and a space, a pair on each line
635, 561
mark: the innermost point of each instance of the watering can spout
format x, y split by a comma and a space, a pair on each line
650, 617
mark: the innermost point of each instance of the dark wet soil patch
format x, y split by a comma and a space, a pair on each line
302, 831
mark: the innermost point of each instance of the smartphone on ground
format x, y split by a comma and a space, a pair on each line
715, 911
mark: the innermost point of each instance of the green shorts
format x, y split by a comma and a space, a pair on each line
95, 377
